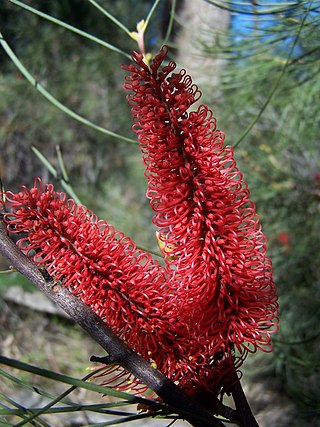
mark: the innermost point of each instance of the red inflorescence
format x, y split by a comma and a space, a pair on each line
215, 300
121, 283
216, 251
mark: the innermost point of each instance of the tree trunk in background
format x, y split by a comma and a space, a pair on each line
199, 25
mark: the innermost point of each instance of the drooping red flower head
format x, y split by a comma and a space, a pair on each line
129, 290
121, 283
216, 250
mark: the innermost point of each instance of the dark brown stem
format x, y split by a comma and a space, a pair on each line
171, 394
243, 411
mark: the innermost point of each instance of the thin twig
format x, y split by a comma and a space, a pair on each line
243, 411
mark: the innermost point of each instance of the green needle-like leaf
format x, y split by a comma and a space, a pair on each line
74, 381
54, 100
69, 27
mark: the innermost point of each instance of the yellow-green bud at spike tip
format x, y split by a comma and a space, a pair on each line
138, 36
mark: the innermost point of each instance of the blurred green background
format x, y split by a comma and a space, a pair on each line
268, 76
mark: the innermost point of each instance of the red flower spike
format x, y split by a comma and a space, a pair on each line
216, 249
122, 284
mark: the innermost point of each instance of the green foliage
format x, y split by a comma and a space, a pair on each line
78, 73
67, 405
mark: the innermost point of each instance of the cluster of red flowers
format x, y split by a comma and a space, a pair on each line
215, 247
215, 299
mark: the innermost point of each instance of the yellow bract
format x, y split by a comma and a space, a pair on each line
138, 36
141, 28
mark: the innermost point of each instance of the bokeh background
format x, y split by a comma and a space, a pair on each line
257, 64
